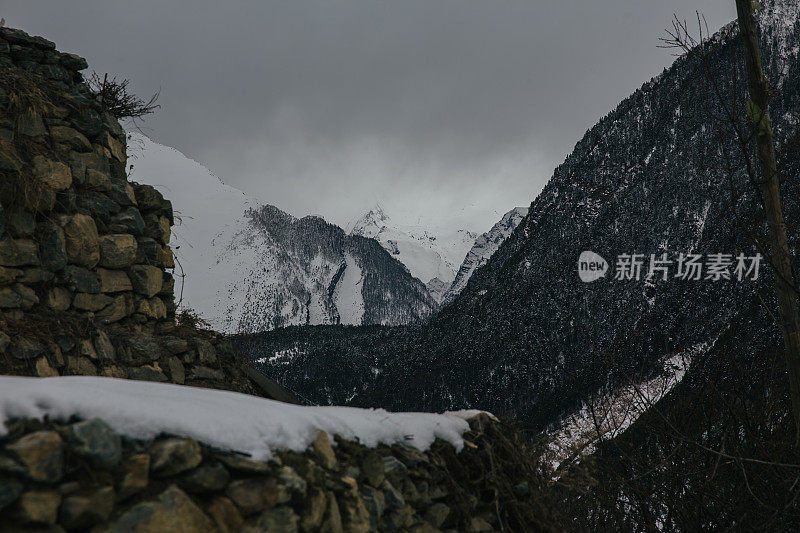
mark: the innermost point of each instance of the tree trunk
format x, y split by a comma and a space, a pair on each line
784, 272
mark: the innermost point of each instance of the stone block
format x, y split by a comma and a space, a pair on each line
71, 137
117, 251
42, 455
25, 348
21, 223
28, 297
147, 197
9, 299
97, 180
53, 174
113, 281
38, 507
146, 279
157, 227
116, 148
36, 276
19, 252
96, 441
80, 279
128, 220
80, 366
206, 352
177, 371
136, 475
164, 257
122, 193
58, 299
148, 373
81, 162
152, 308
9, 275
53, 247
174, 511
44, 369
105, 349
30, 125
121, 307
91, 302
82, 511
72, 62
82, 240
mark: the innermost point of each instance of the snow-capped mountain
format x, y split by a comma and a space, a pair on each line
251, 267
482, 250
431, 255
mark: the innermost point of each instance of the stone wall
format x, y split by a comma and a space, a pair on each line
83, 476
85, 267
77, 235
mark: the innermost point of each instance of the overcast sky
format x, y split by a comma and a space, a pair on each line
450, 110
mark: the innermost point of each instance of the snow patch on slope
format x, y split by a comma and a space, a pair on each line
348, 296
609, 415
282, 357
143, 410
254, 284
206, 212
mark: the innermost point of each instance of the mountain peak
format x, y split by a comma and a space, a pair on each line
379, 212
428, 253
371, 223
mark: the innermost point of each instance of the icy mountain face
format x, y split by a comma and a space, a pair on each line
251, 267
431, 256
309, 272
482, 250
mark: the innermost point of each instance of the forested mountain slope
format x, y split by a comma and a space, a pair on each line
526, 335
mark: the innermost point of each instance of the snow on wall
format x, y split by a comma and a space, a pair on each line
228, 420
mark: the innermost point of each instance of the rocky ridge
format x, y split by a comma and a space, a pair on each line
485, 245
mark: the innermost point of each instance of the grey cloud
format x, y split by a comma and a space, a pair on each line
324, 106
